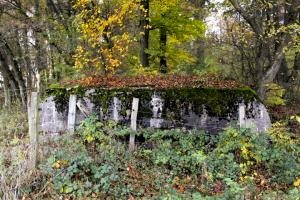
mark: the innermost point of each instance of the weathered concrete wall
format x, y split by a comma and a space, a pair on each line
253, 115
51, 120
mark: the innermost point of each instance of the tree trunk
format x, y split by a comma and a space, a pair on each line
283, 73
21, 84
7, 97
8, 75
8, 57
145, 32
286, 13
200, 52
28, 62
260, 60
271, 72
296, 67
163, 49
199, 44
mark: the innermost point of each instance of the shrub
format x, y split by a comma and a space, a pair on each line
174, 164
274, 95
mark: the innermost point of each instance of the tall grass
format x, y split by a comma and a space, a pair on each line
14, 165
17, 178
13, 123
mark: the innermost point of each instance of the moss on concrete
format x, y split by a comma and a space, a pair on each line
218, 102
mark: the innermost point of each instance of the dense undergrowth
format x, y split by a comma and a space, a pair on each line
13, 123
167, 164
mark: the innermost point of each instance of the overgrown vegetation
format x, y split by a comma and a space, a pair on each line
168, 164
220, 97
13, 123
118, 47
48, 41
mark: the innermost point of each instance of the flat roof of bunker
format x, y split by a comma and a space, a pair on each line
154, 81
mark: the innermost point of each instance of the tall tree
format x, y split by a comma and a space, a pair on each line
30, 36
176, 25
161, 26
274, 25
104, 38
144, 31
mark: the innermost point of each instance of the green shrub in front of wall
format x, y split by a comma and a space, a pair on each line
174, 163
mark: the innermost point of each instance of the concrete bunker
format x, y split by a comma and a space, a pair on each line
189, 103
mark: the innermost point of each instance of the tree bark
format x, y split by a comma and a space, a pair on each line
8, 75
282, 76
271, 73
6, 88
9, 57
145, 32
163, 49
199, 44
296, 67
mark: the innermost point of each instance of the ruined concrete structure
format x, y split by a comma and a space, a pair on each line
209, 110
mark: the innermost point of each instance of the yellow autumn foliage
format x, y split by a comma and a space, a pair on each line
100, 46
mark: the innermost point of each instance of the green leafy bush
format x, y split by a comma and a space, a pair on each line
274, 95
174, 164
